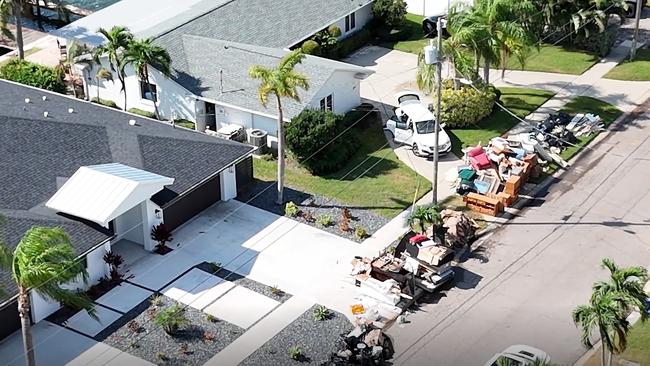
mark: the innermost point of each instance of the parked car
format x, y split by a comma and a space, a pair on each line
413, 124
519, 355
430, 26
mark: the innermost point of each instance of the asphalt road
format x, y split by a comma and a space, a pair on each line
522, 285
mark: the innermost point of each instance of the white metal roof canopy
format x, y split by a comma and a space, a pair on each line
100, 193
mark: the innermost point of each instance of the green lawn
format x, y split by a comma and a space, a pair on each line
520, 101
556, 59
638, 344
409, 38
387, 188
637, 70
606, 111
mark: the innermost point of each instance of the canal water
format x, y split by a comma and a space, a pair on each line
92, 4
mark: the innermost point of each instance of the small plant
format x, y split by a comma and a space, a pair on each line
208, 336
295, 353
152, 312
324, 220
267, 157
211, 318
134, 326
346, 214
391, 249
156, 300
290, 209
360, 232
344, 225
185, 349
423, 217
172, 319
161, 356
162, 234
275, 291
321, 313
114, 262
308, 216
134, 345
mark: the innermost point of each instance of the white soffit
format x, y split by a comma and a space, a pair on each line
100, 193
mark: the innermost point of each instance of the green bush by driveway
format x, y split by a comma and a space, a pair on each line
637, 70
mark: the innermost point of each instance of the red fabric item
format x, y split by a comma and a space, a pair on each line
478, 158
418, 239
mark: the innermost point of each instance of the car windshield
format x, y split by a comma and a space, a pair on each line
425, 127
506, 361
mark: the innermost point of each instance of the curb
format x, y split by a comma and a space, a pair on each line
522, 203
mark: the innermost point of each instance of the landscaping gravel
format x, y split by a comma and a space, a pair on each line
139, 336
317, 340
237, 279
316, 205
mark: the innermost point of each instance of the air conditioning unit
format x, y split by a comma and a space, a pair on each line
257, 138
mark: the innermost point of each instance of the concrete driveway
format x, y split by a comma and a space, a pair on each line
395, 71
521, 287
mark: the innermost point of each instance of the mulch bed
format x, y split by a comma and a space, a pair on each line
316, 206
317, 340
273, 293
137, 334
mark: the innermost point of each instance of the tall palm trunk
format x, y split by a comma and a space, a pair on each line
477, 61
123, 83
26, 324
486, 70
504, 63
155, 102
604, 350
19, 28
39, 19
280, 152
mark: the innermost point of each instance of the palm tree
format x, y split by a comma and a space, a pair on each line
44, 261
144, 53
282, 82
425, 75
102, 74
9, 8
603, 313
117, 42
627, 282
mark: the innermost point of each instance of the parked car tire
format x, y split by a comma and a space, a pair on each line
416, 152
429, 28
390, 134
631, 10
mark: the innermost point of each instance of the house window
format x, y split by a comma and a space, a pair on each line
350, 22
326, 103
148, 91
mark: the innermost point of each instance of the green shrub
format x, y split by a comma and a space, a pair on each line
324, 220
334, 31
327, 39
321, 313
185, 123
211, 318
423, 217
35, 75
140, 112
360, 232
390, 13
172, 319
311, 47
290, 209
295, 353
105, 102
599, 43
317, 141
466, 106
354, 42
361, 116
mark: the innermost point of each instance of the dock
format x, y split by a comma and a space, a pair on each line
53, 6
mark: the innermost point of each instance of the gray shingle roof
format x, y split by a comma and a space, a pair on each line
269, 23
37, 153
201, 64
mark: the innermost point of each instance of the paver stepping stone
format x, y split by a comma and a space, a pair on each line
197, 288
82, 322
124, 297
242, 307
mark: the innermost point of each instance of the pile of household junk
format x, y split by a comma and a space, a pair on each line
492, 176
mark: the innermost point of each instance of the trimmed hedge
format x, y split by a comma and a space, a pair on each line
466, 106
185, 123
105, 102
390, 13
35, 75
307, 137
311, 47
355, 41
142, 113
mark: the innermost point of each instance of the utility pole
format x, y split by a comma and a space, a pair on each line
639, 6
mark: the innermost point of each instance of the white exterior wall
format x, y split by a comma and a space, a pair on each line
96, 268
173, 98
362, 17
129, 225
344, 88
150, 219
432, 7
228, 183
